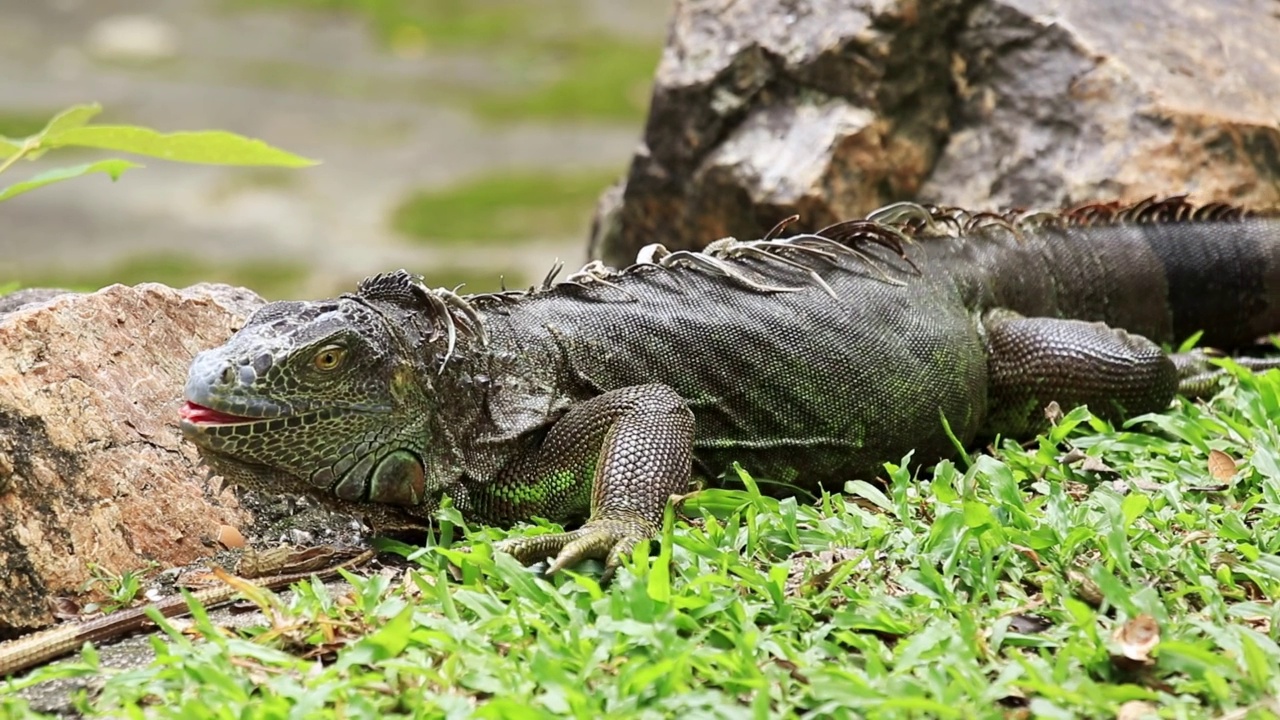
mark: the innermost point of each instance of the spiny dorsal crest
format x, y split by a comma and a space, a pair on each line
447, 312
892, 227
922, 220
400, 288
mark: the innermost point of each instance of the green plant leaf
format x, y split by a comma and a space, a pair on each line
871, 493
388, 642
69, 119
8, 148
214, 147
113, 167
1134, 505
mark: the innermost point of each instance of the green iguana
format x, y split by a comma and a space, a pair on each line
809, 359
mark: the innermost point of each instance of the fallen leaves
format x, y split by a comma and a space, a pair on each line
1221, 465
1029, 624
1085, 588
1135, 640
1137, 710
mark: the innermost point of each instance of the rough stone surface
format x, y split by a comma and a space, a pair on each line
761, 110
92, 466
1061, 103
830, 109
28, 296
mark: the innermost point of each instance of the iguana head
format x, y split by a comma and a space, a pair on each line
337, 393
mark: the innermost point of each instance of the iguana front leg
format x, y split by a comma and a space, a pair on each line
632, 447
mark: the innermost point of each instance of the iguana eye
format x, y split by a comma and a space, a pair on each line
330, 357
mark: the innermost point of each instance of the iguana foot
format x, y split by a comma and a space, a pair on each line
608, 540
1198, 377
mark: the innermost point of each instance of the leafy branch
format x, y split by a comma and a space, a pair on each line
71, 128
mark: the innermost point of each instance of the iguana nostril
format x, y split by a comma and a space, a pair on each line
228, 375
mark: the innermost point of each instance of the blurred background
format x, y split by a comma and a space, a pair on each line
466, 140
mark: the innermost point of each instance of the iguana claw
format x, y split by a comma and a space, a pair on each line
608, 540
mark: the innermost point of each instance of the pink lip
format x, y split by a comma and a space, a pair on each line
201, 415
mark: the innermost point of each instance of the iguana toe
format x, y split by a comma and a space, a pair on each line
1198, 377
608, 540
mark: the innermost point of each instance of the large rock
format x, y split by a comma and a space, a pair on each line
92, 466
829, 109
1062, 103
763, 109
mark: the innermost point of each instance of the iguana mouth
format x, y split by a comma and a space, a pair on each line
200, 415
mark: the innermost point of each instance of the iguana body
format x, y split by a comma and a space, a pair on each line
811, 360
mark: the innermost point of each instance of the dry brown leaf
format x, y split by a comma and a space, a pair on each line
1016, 704
1137, 638
1221, 466
1028, 553
1124, 485
1260, 623
1026, 624
1093, 464
1073, 455
1075, 490
1053, 412
1137, 710
819, 568
1086, 589
1214, 488
791, 668
867, 505
1195, 537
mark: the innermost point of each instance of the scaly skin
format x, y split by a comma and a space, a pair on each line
811, 360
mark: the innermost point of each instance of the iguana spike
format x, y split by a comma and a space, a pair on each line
817, 240
708, 262
851, 233
776, 230
397, 288
440, 311
474, 323
770, 251
556, 267
596, 272
902, 213
652, 254
1172, 209
442, 307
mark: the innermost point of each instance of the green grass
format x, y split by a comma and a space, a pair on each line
594, 78
549, 66
503, 208
270, 279
1004, 589
448, 23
